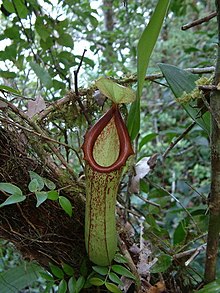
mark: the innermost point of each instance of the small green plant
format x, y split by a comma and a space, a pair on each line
37, 185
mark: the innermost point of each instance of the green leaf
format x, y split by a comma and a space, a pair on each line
146, 139
8, 5
62, 288
41, 197
96, 281
213, 287
15, 279
72, 284
115, 278
21, 8
120, 258
39, 179
179, 233
50, 185
53, 195
163, 263
7, 74
10, 188
66, 205
13, 199
68, 269
122, 271
115, 92
41, 28
33, 185
101, 270
56, 271
80, 283
65, 40
181, 81
42, 74
112, 288
9, 89
46, 276
145, 47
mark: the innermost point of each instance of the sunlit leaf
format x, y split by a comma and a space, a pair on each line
62, 288
10, 188
41, 197
122, 271
9, 89
112, 288
96, 281
114, 91
15, 198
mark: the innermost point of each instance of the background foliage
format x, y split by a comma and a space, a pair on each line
42, 45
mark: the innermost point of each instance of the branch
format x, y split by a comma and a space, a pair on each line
76, 72
199, 21
172, 145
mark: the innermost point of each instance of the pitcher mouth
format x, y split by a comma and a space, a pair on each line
91, 136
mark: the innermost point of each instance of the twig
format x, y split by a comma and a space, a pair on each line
38, 129
148, 201
172, 145
131, 264
199, 21
188, 252
177, 200
77, 90
197, 251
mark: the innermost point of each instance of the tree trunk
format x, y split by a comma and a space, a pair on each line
214, 204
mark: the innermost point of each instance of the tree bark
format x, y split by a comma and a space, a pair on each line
214, 204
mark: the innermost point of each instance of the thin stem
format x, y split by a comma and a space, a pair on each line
199, 21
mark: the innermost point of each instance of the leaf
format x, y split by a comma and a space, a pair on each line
42, 74
142, 168
35, 107
46, 276
213, 287
65, 40
41, 197
112, 288
145, 47
62, 288
122, 271
53, 195
115, 92
68, 269
80, 283
101, 270
56, 271
96, 281
115, 278
33, 185
15, 279
163, 263
10, 188
39, 179
181, 81
50, 185
13, 199
72, 284
66, 205
120, 258
9, 89
21, 9
146, 139
7, 74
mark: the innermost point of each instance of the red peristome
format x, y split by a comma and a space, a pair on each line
125, 144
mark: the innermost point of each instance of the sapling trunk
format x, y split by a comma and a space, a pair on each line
214, 204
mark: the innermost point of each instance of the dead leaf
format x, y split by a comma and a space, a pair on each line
35, 107
141, 169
